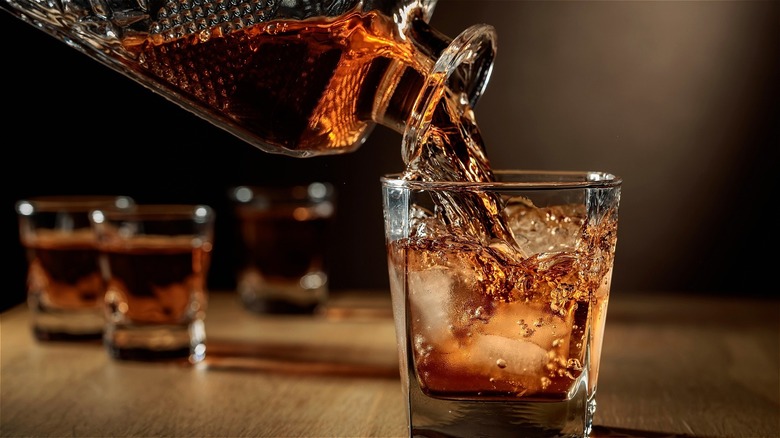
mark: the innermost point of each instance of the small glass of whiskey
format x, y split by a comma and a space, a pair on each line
283, 234
155, 261
64, 284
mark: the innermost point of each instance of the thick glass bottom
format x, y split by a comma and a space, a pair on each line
282, 297
439, 418
157, 342
66, 325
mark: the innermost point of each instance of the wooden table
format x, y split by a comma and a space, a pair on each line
672, 366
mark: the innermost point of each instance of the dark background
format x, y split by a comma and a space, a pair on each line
678, 98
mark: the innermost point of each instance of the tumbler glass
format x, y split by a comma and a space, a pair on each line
283, 241
155, 263
501, 337
64, 285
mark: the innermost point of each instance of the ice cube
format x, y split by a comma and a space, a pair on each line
486, 364
429, 292
507, 359
548, 229
530, 321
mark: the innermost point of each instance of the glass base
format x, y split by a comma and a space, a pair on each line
157, 342
281, 297
67, 325
438, 418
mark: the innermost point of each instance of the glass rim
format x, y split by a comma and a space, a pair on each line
154, 211
296, 192
71, 203
526, 180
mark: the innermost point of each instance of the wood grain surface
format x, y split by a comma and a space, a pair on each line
672, 366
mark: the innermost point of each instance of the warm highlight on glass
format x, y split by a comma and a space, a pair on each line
501, 337
156, 262
64, 285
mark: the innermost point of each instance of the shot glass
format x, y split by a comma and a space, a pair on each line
283, 236
155, 264
500, 312
64, 284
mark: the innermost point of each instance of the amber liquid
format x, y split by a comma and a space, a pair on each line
281, 246
549, 302
297, 85
63, 270
155, 280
